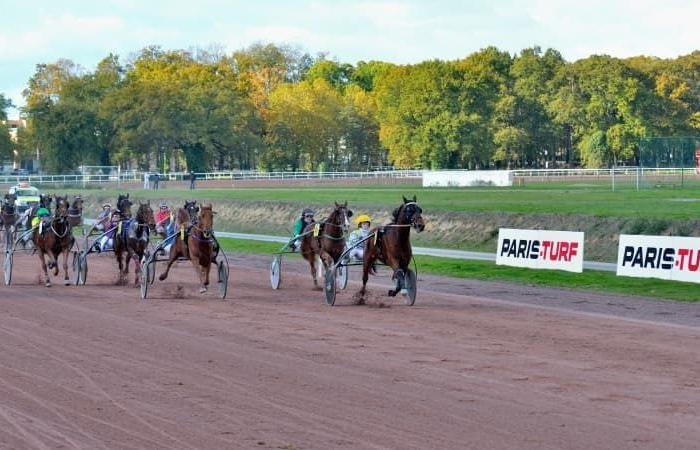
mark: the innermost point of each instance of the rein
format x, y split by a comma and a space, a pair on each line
65, 231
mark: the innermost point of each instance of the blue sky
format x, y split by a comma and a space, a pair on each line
43, 31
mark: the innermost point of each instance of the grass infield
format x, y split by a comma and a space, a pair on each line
550, 198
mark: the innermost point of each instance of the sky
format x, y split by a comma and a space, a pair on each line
399, 31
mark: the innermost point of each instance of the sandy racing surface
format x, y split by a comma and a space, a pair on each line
472, 365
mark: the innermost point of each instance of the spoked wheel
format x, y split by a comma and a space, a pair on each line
151, 270
275, 272
223, 279
8, 267
342, 274
81, 269
410, 284
329, 287
145, 275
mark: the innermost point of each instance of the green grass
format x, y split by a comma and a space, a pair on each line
589, 280
551, 198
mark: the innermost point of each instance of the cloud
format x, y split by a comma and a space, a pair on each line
56, 33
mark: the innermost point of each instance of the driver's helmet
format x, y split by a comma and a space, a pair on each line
107, 206
363, 218
163, 205
307, 212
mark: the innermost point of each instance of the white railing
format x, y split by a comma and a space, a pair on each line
138, 177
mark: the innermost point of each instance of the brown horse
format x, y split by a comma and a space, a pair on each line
8, 219
75, 212
137, 234
197, 245
53, 238
392, 245
322, 248
120, 235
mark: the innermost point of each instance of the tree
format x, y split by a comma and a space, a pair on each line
5, 141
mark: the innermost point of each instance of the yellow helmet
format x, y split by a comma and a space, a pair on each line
363, 218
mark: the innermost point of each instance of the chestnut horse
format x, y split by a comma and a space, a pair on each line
392, 245
197, 245
54, 238
323, 248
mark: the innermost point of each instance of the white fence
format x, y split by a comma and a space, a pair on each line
633, 174
137, 177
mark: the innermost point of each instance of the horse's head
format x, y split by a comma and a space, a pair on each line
192, 210
124, 205
340, 216
409, 213
77, 204
8, 204
205, 221
61, 211
144, 215
45, 201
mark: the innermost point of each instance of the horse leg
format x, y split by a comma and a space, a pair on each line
398, 276
137, 267
172, 257
199, 270
207, 269
43, 267
317, 269
66, 280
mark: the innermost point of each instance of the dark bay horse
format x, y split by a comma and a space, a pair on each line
392, 245
197, 245
137, 234
54, 237
120, 234
75, 212
8, 219
322, 248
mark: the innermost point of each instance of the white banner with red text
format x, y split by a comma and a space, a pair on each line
665, 257
540, 249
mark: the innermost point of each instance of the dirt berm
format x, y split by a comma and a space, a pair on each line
460, 230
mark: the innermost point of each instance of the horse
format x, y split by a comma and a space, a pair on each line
54, 238
134, 240
323, 248
123, 213
197, 245
8, 218
75, 212
392, 245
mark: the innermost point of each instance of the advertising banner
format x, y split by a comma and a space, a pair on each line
540, 249
665, 257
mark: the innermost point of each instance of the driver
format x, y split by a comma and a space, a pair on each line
363, 224
163, 218
307, 217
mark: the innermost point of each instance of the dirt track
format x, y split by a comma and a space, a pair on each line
504, 367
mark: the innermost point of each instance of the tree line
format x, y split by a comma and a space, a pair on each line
273, 107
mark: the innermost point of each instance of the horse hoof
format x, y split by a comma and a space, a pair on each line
48, 284
66, 283
161, 278
404, 292
391, 293
202, 290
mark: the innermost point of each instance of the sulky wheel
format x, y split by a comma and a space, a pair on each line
329, 287
342, 274
276, 272
8, 267
410, 284
222, 270
81, 268
144, 285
